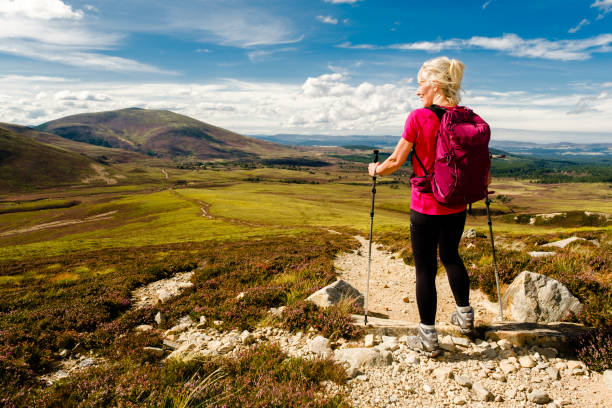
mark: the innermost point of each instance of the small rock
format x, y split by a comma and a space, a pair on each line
64, 353
482, 393
368, 340
504, 344
86, 362
553, 373
461, 341
217, 322
443, 373
156, 351
171, 344
459, 401
240, 295
319, 345
412, 359
511, 394
573, 364
427, 389
526, 362
463, 381
160, 318
144, 328
499, 377
539, 397
469, 233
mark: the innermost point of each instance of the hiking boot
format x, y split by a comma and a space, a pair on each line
463, 317
425, 342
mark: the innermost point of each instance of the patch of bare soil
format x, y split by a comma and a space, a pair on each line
63, 223
393, 286
101, 174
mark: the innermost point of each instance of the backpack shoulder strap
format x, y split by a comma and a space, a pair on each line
438, 110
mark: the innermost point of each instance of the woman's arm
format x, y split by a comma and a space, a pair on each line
393, 162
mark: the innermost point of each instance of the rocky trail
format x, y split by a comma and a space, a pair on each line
382, 370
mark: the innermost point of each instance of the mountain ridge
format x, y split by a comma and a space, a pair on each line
159, 133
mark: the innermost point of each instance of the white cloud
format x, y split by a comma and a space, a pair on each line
511, 44
325, 104
327, 19
259, 55
51, 31
39, 9
71, 56
603, 5
427, 46
342, 1
486, 4
590, 104
579, 26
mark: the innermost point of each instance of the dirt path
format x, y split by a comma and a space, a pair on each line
392, 282
63, 223
101, 174
165, 173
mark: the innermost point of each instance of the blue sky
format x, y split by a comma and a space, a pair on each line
536, 70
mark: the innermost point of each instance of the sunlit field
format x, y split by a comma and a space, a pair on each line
70, 259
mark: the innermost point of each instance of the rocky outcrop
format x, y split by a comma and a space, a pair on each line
537, 298
334, 293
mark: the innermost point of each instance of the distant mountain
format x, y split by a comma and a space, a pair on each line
26, 164
98, 153
159, 133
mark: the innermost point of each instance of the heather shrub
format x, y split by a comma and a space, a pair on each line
595, 349
332, 322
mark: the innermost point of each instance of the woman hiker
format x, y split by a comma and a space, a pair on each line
432, 225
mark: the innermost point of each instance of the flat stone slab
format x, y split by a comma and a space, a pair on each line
558, 335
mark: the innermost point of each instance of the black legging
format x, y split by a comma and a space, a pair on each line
427, 232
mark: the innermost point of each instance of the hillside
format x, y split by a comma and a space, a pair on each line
159, 133
26, 164
98, 153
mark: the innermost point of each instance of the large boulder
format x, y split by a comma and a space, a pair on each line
334, 293
537, 298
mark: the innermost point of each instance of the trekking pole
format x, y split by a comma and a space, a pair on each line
365, 316
488, 203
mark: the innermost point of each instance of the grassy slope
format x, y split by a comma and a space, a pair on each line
99, 153
27, 165
276, 204
159, 132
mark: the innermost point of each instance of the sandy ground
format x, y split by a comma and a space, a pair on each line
393, 283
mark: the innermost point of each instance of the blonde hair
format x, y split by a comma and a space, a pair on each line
446, 74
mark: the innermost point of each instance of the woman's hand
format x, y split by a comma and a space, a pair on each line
372, 169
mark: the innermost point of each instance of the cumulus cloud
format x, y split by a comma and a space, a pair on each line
39, 9
332, 103
511, 44
589, 104
579, 26
327, 19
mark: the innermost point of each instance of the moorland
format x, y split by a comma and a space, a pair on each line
94, 206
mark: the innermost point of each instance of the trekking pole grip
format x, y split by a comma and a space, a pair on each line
375, 155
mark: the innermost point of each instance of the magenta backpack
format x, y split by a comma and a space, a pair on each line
461, 168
